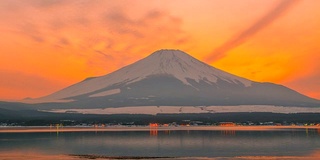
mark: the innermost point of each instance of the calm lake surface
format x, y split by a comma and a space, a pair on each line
167, 143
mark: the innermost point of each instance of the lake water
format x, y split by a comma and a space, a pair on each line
167, 143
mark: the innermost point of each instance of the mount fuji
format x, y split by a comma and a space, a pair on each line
171, 78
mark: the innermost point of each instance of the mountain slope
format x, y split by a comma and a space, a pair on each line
172, 77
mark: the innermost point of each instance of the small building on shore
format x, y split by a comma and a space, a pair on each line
227, 124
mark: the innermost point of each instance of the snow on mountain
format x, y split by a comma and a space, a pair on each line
154, 110
106, 93
163, 62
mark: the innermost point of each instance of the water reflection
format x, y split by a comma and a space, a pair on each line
153, 129
228, 132
158, 142
153, 132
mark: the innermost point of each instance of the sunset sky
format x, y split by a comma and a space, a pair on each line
47, 45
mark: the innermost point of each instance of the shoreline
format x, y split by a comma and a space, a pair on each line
41, 156
48, 129
33, 154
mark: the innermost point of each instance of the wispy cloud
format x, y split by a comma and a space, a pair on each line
85, 24
243, 36
109, 57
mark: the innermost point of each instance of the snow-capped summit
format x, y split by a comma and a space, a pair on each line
172, 77
183, 66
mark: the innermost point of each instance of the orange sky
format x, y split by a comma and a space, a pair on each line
48, 45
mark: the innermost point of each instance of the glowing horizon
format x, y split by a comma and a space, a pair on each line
49, 45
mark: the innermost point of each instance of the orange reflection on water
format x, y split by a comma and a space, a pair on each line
153, 129
167, 132
228, 132
153, 132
